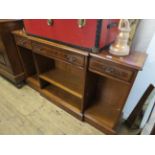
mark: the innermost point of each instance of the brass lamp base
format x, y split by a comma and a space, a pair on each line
120, 46
119, 51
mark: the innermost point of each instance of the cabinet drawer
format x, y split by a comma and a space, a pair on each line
24, 42
111, 69
2, 60
54, 52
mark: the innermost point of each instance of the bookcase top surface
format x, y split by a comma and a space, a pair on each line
134, 60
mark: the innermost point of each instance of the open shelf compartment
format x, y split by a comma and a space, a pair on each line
104, 108
62, 98
61, 83
66, 81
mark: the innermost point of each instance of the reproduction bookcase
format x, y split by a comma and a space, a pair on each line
92, 87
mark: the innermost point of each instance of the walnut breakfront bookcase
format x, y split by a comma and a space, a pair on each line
91, 87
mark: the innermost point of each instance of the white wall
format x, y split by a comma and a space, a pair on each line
145, 34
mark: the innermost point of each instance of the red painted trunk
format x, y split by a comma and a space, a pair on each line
94, 35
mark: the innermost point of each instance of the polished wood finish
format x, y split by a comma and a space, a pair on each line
32, 81
92, 87
25, 50
50, 43
64, 100
10, 64
62, 80
134, 60
58, 53
115, 77
111, 70
61, 71
69, 82
23, 41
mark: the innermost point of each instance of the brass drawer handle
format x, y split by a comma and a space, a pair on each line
50, 22
81, 23
70, 58
108, 69
114, 71
37, 48
23, 42
41, 49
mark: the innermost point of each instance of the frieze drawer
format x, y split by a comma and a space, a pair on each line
24, 42
111, 69
58, 53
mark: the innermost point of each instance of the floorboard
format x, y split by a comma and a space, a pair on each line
25, 112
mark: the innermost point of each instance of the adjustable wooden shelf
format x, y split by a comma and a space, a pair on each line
92, 87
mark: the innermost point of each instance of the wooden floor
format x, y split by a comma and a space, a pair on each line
24, 111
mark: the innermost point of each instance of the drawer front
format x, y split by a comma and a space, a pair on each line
58, 53
2, 60
24, 42
111, 69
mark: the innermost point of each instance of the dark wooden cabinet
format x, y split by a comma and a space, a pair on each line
10, 64
92, 87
